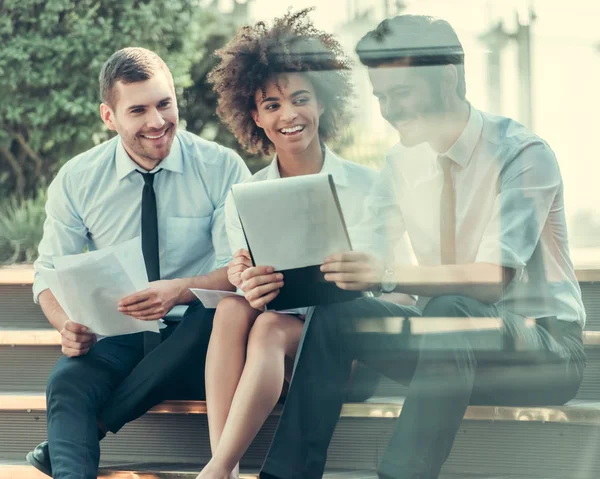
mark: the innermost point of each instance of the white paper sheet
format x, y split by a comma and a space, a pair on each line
291, 222
128, 253
211, 297
89, 286
50, 277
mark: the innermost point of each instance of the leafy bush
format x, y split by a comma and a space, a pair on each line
21, 228
198, 102
50, 58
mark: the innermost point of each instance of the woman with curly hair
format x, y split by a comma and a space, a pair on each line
282, 90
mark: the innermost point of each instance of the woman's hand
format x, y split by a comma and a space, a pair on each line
261, 285
241, 262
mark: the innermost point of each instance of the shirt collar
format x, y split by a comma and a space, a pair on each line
125, 165
332, 165
462, 149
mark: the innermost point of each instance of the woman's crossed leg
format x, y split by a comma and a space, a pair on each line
245, 372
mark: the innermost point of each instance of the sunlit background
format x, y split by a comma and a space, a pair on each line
535, 61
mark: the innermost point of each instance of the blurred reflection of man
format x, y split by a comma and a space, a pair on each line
481, 199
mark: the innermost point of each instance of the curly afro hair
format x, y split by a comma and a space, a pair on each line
257, 53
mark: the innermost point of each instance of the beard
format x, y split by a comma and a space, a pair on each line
141, 147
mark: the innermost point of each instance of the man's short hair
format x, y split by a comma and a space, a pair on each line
129, 65
417, 40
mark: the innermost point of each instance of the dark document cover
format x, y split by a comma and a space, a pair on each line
293, 224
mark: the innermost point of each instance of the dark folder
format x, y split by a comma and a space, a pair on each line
306, 286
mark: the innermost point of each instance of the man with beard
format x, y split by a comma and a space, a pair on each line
169, 187
481, 199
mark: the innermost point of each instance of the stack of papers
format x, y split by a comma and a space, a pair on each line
89, 286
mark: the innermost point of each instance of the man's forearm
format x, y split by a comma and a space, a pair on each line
54, 313
214, 280
482, 281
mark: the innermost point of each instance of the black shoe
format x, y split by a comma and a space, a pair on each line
40, 458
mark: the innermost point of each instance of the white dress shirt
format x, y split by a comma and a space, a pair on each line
95, 202
353, 182
509, 212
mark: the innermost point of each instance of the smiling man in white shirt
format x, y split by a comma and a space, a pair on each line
169, 187
481, 199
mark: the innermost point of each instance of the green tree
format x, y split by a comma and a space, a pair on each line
51, 54
198, 103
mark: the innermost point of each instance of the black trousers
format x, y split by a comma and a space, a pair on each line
115, 383
446, 373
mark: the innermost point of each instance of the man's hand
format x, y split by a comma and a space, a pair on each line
241, 262
261, 285
75, 339
353, 271
154, 302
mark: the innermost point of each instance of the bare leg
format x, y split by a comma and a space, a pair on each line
225, 360
273, 337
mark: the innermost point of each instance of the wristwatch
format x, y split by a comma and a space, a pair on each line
388, 281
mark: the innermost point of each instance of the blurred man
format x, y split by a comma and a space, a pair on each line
169, 187
481, 199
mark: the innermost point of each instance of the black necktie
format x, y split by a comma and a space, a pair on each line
150, 227
447, 214
150, 245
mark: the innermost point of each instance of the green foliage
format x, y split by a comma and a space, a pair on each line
198, 103
21, 228
51, 54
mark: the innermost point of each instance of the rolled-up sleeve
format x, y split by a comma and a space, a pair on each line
527, 190
235, 233
64, 231
234, 172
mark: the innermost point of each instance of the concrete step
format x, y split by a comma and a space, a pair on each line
179, 471
541, 442
27, 357
122, 471
19, 312
574, 412
50, 337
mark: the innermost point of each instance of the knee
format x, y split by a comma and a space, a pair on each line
67, 378
234, 317
267, 332
451, 305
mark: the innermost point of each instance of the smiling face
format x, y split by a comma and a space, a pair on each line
288, 111
145, 115
408, 101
